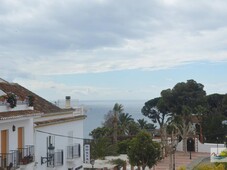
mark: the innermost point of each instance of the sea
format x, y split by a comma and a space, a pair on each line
95, 110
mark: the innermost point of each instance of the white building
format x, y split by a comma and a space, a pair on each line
16, 128
35, 134
64, 131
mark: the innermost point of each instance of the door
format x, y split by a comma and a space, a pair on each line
4, 141
190, 144
20, 142
4, 146
20, 137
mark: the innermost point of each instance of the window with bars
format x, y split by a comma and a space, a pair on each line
73, 151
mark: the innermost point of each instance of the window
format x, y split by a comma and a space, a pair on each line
73, 151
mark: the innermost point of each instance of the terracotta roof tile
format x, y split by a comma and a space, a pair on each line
60, 120
18, 114
40, 103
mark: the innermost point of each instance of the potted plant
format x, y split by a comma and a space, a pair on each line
30, 100
11, 99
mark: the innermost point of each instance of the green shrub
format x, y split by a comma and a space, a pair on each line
181, 168
210, 167
123, 146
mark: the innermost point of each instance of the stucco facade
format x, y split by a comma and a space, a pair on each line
31, 125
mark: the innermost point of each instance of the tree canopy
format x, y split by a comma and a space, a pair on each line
143, 151
126, 128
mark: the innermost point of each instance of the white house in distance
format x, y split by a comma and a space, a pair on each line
52, 138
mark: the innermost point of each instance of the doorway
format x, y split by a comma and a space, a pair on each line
190, 144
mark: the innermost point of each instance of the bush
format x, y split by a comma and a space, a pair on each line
210, 167
123, 146
181, 168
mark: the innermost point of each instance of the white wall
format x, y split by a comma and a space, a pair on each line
4, 107
65, 129
202, 147
27, 123
180, 146
207, 146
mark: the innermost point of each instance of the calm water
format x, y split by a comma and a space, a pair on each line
97, 109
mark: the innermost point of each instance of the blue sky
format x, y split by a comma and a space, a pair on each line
113, 50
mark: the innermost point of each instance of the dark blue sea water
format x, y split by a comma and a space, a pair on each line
97, 109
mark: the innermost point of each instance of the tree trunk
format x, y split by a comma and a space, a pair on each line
115, 128
164, 141
170, 161
184, 136
201, 132
132, 167
125, 166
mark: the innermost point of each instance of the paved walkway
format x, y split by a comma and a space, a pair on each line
182, 160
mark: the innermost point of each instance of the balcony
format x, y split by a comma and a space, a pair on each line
73, 151
78, 111
9, 160
26, 155
56, 160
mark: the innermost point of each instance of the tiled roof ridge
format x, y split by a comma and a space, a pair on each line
19, 114
40, 98
60, 120
40, 103
3, 81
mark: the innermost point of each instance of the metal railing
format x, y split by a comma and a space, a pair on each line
73, 151
58, 158
26, 155
9, 160
78, 111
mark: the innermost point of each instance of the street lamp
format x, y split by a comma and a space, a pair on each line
92, 163
50, 154
217, 145
224, 123
174, 150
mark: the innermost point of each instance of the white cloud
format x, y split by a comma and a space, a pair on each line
58, 37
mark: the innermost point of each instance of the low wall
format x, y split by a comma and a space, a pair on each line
202, 147
205, 147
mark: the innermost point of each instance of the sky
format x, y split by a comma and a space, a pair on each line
113, 49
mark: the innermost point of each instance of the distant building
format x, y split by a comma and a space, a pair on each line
36, 134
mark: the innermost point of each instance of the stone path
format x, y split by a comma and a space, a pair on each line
182, 160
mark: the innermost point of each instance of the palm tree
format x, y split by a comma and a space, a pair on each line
144, 125
124, 121
118, 108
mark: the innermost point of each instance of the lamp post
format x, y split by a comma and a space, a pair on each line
50, 154
174, 150
92, 163
224, 123
217, 145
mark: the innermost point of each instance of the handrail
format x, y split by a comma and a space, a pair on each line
26, 155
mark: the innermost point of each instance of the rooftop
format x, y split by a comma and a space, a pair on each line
40, 104
18, 114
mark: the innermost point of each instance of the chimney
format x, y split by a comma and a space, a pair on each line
67, 102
